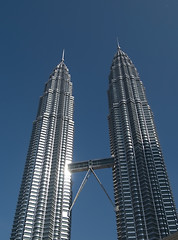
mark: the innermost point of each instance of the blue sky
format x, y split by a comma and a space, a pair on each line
33, 34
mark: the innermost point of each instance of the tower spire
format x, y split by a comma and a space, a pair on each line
118, 46
63, 52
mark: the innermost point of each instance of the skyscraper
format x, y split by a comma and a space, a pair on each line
145, 207
144, 204
45, 193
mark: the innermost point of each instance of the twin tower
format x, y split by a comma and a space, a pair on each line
144, 204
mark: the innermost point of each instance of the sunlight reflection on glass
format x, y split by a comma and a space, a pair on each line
66, 171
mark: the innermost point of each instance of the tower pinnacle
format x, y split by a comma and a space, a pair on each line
63, 52
118, 46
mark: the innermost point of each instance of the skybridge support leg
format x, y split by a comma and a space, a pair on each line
103, 188
90, 170
80, 188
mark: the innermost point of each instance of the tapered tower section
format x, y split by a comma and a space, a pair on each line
45, 194
145, 207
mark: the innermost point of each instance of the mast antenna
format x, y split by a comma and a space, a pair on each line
118, 43
63, 52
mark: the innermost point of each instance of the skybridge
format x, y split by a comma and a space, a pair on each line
94, 164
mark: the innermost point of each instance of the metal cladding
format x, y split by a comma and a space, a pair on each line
143, 198
45, 193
